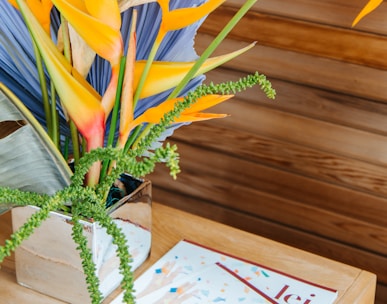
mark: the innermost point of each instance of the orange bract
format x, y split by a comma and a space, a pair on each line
370, 6
41, 10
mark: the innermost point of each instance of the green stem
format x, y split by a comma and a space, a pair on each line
144, 132
145, 72
207, 53
132, 138
212, 47
114, 118
55, 118
116, 108
75, 141
43, 87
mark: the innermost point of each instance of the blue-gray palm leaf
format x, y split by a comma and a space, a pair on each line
17, 59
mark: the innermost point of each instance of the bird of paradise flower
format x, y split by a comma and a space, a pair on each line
133, 74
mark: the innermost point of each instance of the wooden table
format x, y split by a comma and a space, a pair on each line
171, 225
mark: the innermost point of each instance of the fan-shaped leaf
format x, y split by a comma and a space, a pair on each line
29, 161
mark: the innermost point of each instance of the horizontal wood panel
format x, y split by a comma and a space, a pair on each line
242, 194
341, 109
275, 231
265, 177
310, 167
301, 36
340, 13
290, 157
319, 135
304, 69
381, 294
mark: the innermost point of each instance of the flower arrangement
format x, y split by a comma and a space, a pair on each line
104, 83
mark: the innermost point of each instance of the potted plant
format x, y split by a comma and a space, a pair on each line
89, 91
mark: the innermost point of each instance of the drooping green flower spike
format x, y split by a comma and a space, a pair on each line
368, 8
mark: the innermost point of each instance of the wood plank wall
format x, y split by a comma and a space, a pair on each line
310, 168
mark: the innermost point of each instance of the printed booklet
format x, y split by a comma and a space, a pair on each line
191, 273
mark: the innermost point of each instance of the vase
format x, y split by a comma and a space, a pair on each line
49, 262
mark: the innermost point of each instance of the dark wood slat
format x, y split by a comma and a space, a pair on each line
320, 165
340, 109
338, 13
319, 135
302, 36
202, 181
304, 69
265, 177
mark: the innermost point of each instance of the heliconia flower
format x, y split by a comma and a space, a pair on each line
191, 114
80, 100
103, 19
370, 6
99, 17
166, 75
41, 10
82, 54
18, 69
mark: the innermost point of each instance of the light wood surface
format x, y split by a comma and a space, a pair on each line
171, 225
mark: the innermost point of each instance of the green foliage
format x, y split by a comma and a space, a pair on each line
89, 202
87, 259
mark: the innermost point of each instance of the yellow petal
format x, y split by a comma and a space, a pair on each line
81, 102
166, 75
105, 40
206, 102
41, 10
106, 11
198, 117
154, 115
183, 17
370, 6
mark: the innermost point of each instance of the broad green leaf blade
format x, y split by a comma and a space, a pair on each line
29, 161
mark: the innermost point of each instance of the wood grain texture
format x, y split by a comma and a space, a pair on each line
338, 13
171, 225
302, 36
309, 168
306, 69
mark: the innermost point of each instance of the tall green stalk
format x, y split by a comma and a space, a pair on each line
205, 55
114, 117
43, 88
212, 47
54, 116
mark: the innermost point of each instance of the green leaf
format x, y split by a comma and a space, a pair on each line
29, 160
